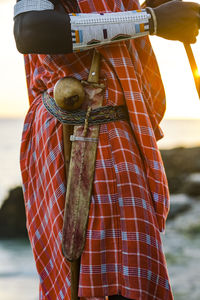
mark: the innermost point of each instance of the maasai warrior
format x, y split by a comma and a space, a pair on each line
123, 254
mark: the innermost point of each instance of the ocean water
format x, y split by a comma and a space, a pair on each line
10, 137
184, 133
18, 278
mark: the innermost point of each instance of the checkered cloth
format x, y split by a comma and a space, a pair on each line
123, 252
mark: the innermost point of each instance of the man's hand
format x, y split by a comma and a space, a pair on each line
154, 3
178, 20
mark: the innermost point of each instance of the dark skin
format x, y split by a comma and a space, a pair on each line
48, 31
43, 32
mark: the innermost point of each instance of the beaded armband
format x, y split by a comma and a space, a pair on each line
30, 5
96, 29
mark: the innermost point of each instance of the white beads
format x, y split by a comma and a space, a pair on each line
91, 30
30, 5
109, 18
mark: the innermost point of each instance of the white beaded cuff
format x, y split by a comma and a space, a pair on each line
96, 29
30, 5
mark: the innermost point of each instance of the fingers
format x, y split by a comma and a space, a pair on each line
193, 5
191, 41
198, 19
178, 20
196, 32
195, 25
190, 36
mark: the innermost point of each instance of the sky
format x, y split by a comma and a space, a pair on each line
182, 98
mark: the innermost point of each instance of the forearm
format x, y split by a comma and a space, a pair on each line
43, 32
52, 31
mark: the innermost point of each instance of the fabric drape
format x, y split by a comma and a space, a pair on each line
130, 202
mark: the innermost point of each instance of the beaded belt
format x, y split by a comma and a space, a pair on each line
100, 115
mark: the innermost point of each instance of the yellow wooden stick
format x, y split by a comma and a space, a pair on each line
193, 66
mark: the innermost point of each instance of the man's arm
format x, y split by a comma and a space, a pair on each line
46, 31
49, 31
53, 31
178, 21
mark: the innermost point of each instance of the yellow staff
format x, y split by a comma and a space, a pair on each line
193, 66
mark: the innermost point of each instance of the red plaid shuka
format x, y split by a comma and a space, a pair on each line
123, 252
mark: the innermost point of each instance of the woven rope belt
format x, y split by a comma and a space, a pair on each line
97, 116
